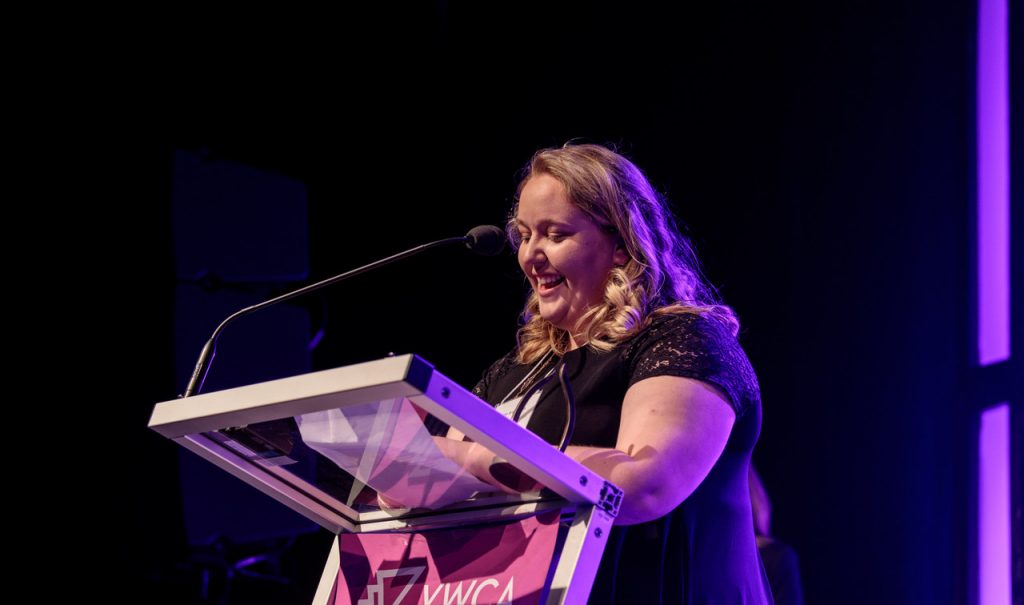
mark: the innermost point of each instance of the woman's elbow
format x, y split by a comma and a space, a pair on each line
647, 503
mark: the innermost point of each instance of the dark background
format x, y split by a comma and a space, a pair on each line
819, 154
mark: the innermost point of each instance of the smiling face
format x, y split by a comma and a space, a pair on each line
564, 253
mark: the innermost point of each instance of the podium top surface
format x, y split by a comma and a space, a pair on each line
355, 446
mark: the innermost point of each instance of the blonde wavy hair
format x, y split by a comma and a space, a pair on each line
662, 275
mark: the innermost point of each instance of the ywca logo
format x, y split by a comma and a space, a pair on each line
478, 591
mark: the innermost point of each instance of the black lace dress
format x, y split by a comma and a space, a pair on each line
704, 551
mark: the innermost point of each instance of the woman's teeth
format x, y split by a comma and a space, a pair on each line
547, 283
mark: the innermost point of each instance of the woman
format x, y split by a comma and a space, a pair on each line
668, 407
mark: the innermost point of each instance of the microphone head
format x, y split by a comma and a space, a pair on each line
487, 240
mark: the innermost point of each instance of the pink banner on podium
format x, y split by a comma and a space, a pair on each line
486, 565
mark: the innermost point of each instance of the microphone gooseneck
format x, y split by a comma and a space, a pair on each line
487, 240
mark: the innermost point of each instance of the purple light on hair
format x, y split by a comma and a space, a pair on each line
993, 141
994, 506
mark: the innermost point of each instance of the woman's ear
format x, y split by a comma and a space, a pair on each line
620, 257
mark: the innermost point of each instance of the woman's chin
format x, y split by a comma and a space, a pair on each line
557, 319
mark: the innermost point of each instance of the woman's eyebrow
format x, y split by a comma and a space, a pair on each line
547, 222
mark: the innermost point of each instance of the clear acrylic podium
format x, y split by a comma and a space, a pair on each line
349, 449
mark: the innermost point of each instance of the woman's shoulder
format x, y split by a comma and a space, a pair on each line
685, 335
701, 326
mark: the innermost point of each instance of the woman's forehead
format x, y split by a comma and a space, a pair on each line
573, 217
548, 208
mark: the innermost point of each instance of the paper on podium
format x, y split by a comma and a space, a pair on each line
386, 446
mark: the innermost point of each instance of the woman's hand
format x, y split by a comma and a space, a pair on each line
390, 506
479, 461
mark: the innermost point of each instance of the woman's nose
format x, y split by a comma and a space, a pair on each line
534, 251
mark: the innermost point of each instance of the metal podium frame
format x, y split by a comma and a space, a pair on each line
590, 501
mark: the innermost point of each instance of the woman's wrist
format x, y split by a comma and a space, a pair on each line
474, 459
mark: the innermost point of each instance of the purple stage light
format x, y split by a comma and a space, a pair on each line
993, 141
994, 506
993, 288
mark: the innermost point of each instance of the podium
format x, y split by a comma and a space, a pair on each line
356, 450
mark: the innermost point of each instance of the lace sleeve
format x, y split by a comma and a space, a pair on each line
694, 346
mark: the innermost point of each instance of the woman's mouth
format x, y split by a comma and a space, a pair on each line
548, 283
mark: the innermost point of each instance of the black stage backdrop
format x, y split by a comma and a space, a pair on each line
820, 155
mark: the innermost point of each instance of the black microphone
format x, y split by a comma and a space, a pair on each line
487, 240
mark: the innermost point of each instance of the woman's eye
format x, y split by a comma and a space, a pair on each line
556, 237
524, 237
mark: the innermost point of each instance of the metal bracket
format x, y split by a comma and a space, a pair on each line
611, 499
